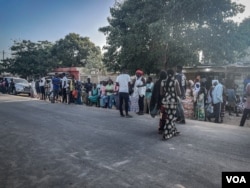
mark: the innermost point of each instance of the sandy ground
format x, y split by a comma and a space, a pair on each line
233, 120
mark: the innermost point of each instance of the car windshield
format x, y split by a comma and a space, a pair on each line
22, 81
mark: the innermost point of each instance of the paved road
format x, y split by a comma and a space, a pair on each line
44, 145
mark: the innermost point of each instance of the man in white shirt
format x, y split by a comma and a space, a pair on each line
42, 88
123, 81
64, 87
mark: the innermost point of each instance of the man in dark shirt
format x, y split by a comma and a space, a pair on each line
181, 78
88, 89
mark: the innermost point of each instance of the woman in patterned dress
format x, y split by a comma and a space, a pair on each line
170, 89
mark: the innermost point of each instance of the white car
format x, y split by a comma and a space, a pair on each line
21, 85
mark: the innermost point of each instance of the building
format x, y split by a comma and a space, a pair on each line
235, 73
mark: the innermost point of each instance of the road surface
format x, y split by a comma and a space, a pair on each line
44, 145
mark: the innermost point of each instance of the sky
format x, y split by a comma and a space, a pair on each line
52, 20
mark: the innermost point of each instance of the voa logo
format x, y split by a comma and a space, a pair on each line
236, 179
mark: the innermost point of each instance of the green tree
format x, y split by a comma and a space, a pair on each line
30, 59
243, 36
152, 34
75, 50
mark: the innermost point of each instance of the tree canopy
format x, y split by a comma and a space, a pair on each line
75, 50
151, 34
38, 58
29, 58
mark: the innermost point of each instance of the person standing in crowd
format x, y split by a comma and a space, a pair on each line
217, 99
78, 87
170, 91
231, 99
99, 86
73, 91
42, 88
181, 78
155, 101
110, 93
149, 89
188, 102
123, 81
2, 83
47, 89
64, 88
68, 92
246, 111
201, 99
209, 106
94, 97
103, 95
88, 88
56, 87
6, 85
196, 89
37, 88
224, 100
134, 97
240, 103
140, 90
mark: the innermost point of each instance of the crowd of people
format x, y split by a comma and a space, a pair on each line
172, 96
7, 86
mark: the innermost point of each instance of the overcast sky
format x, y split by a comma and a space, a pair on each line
53, 19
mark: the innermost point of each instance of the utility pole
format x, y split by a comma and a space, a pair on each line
3, 54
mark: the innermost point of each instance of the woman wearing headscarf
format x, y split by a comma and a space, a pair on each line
170, 90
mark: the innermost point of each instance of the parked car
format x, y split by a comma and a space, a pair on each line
20, 86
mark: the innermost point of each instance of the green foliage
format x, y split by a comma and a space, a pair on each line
243, 36
151, 34
29, 58
75, 50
